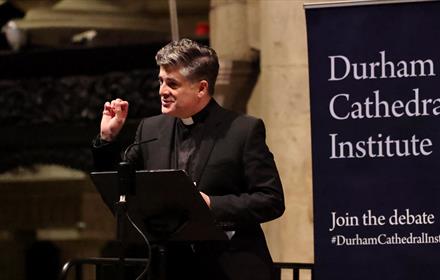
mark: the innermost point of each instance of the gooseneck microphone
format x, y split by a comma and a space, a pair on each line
134, 144
127, 186
127, 172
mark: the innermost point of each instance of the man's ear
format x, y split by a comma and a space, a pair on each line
203, 88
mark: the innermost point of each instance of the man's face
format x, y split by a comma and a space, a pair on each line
178, 94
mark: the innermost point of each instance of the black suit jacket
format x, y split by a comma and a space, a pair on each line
237, 171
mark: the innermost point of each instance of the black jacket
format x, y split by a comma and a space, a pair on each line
237, 171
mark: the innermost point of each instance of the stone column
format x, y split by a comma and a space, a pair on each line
275, 31
239, 67
282, 100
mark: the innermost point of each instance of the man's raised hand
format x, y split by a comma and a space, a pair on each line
113, 118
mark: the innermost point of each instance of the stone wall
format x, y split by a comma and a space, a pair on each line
275, 31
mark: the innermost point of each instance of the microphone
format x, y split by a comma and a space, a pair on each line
124, 157
127, 186
127, 172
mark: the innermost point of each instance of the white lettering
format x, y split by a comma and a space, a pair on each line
341, 68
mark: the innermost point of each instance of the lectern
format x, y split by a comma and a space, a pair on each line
164, 204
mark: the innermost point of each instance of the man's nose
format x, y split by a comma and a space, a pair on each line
163, 90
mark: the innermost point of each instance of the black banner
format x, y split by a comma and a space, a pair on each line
375, 110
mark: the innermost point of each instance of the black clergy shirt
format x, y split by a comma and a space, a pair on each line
187, 141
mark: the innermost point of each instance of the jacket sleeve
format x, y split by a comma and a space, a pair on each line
107, 155
263, 198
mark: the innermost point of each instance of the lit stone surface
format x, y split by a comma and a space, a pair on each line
228, 27
277, 29
281, 98
286, 115
42, 172
283, 33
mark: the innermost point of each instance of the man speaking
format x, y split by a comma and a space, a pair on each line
223, 152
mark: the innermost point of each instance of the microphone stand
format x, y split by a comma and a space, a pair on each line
126, 186
126, 177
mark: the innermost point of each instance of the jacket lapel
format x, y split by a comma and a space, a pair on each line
210, 136
160, 152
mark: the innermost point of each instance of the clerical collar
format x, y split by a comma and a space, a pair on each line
200, 116
188, 121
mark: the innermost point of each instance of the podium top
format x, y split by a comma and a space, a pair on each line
166, 205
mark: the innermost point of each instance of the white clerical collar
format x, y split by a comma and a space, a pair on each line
188, 121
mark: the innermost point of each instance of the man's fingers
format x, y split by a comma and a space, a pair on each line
116, 107
206, 199
124, 107
113, 118
108, 111
121, 109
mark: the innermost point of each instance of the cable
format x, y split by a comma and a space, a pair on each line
147, 266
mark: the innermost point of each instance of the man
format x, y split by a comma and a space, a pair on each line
223, 152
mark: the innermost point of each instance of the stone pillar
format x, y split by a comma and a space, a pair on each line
282, 100
238, 61
275, 30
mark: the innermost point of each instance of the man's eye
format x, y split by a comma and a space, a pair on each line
172, 85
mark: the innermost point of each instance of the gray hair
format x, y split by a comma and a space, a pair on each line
197, 62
